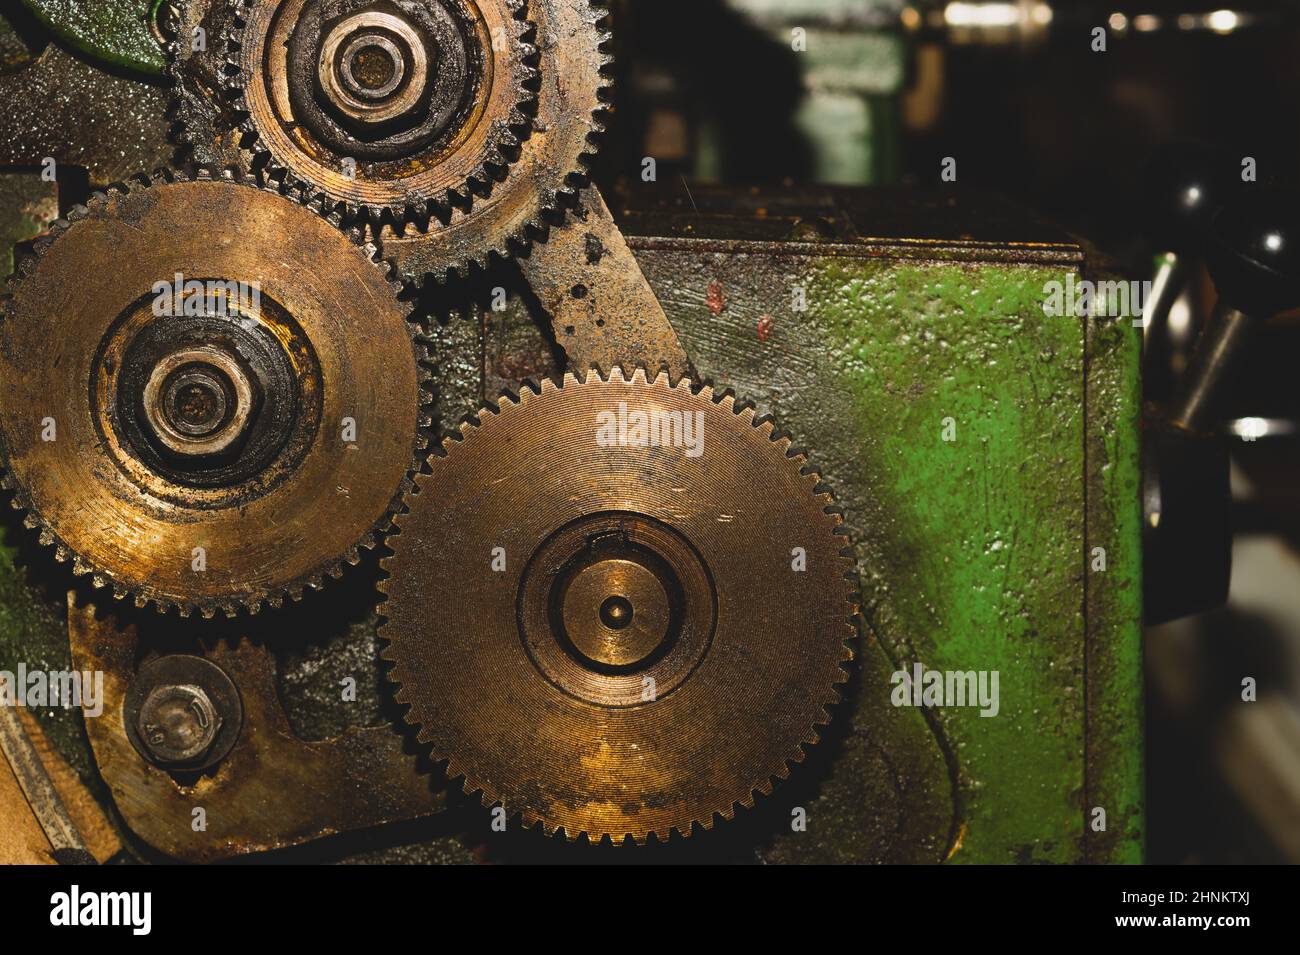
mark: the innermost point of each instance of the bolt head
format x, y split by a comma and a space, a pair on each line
178, 724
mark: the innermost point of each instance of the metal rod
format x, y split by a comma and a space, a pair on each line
1214, 363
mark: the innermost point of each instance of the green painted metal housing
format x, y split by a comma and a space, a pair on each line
975, 553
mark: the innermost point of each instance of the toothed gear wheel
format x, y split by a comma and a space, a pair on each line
204, 122
210, 396
542, 183
616, 637
396, 109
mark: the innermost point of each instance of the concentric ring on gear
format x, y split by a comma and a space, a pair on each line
260, 361
572, 63
612, 600
195, 452
424, 99
611, 636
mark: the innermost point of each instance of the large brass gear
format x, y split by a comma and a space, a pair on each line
393, 108
613, 638
200, 446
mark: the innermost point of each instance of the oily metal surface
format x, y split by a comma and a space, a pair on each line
64, 108
272, 791
431, 180
577, 756
571, 61
101, 503
602, 309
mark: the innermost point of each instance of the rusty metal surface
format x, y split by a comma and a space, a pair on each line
602, 310
297, 513
739, 680
410, 176
206, 124
273, 791
570, 39
38, 789
47, 815
835, 220
81, 116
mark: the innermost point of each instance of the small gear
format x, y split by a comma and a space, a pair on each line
619, 606
395, 109
205, 123
210, 396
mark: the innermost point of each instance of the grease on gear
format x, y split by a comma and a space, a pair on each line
395, 108
612, 638
232, 410
552, 164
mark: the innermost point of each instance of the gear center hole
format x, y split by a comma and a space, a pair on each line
616, 612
